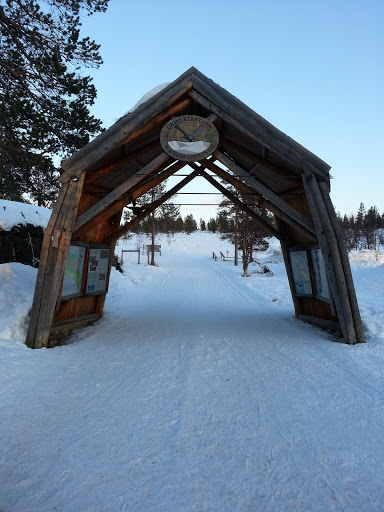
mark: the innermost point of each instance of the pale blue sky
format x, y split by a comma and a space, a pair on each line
314, 69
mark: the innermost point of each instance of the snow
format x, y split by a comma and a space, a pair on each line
148, 95
13, 213
197, 391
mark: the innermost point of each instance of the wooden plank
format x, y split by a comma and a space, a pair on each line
151, 207
75, 323
120, 191
327, 325
202, 84
120, 132
345, 263
282, 209
241, 205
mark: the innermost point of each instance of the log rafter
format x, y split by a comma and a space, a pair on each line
132, 194
101, 206
281, 208
261, 163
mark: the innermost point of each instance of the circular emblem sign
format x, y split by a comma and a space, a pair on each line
189, 138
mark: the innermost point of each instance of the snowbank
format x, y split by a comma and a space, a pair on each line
13, 213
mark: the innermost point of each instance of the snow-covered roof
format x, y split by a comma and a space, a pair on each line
13, 213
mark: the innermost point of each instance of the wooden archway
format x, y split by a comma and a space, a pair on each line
127, 160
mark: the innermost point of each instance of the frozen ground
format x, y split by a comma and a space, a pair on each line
197, 391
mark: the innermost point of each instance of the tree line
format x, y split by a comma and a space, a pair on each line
231, 223
363, 230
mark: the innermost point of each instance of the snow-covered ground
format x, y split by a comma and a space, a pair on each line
13, 213
197, 391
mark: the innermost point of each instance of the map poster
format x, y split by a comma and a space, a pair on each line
98, 265
73, 273
322, 289
300, 270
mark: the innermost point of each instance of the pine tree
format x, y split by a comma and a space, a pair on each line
212, 225
179, 225
190, 224
242, 230
45, 98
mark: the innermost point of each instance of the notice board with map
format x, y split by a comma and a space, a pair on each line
300, 271
98, 270
322, 290
73, 273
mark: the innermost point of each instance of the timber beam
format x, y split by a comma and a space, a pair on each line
259, 162
119, 192
53, 256
280, 207
132, 194
265, 225
271, 206
149, 209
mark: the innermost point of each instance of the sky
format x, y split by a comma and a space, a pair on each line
315, 70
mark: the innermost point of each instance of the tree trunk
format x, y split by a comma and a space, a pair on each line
245, 258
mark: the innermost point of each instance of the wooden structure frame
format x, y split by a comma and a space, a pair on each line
127, 160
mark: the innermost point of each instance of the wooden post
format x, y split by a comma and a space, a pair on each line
332, 280
236, 263
331, 256
345, 263
54, 251
153, 230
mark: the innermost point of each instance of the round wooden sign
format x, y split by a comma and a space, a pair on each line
189, 138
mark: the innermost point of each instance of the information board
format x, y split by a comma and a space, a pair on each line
98, 264
322, 289
73, 273
300, 270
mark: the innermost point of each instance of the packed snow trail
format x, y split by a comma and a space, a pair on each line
193, 393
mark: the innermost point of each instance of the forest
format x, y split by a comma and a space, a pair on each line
362, 230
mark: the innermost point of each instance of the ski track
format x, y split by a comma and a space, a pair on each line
197, 395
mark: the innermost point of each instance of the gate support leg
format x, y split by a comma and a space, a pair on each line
53, 256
